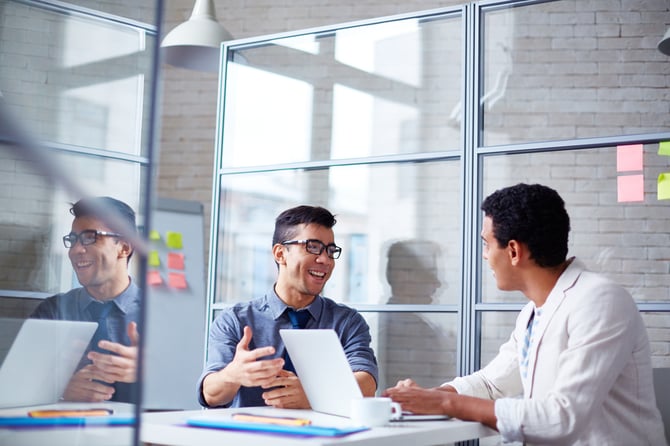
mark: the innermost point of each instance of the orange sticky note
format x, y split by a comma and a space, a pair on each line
154, 278
175, 260
630, 188
629, 158
177, 280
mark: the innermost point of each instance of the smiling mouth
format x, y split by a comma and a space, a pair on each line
317, 274
83, 264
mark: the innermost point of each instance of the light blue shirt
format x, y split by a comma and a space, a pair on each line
266, 316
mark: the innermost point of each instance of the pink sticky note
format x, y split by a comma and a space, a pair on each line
629, 158
177, 280
154, 278
630, 188
175, 260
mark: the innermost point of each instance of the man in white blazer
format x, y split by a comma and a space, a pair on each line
577, 368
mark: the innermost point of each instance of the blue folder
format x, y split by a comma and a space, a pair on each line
308, 430
115, 420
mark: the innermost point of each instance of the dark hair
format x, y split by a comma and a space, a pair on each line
532, 214
287, 222
114, 213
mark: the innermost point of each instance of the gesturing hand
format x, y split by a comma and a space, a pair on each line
121, 365
248, 369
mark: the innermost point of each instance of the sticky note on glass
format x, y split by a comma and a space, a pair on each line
154, 278
664, 186
154, 259
629, 158
630, 188
664, 148
154, 235
177, 280
173, 240
175, 260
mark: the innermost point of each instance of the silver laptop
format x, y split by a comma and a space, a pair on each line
41, 359
325, 374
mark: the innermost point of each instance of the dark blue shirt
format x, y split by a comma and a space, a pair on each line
266, 316
73, 306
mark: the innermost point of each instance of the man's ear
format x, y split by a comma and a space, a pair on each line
279, 253
125, 249
514, 251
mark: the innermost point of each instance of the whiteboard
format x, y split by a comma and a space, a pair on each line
175, 332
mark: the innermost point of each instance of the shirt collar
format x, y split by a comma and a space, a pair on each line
278, 307
123, 301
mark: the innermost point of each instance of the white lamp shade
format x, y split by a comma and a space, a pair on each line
196, 43
664, 44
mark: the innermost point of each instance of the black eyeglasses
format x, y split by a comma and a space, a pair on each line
316, 247
85, 237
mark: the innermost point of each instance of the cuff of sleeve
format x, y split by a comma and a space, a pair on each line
509, 412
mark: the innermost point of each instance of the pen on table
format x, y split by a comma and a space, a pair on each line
286, 421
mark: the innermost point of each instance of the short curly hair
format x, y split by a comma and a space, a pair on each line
532, 214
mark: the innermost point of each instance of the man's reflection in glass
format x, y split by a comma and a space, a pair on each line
100, 257
409, 343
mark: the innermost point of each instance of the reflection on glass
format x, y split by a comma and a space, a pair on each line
626, 241
496, 328
421, 346
372, 90
71, 85
80, 84
564, 70
375, 205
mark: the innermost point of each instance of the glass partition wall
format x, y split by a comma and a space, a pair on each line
402, 125
77, 107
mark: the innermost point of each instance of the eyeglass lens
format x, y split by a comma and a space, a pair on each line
86, 237
316, 247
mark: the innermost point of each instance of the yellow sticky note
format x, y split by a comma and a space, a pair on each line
154, 235
664, 148
664, 186
173, 240
154, 259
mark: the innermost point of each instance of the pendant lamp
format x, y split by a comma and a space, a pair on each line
196, 43
664, 44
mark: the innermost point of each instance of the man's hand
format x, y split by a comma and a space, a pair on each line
246, 369
118, 367
287, 392
82, 386
416, 399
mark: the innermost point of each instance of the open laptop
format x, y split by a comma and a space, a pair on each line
325, 374
41, 359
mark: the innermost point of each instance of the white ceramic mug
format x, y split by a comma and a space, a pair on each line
374, 411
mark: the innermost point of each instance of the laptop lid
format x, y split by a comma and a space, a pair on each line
325, 374
41, 360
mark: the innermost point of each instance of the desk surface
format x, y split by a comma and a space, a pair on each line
169, 428
69, 435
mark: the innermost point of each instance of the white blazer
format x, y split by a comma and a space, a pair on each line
589, 376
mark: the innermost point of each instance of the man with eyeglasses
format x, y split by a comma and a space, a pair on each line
100, 257
247, 363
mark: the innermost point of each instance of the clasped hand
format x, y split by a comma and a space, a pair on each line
93, 382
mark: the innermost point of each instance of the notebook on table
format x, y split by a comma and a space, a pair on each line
325, 374
41, 359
